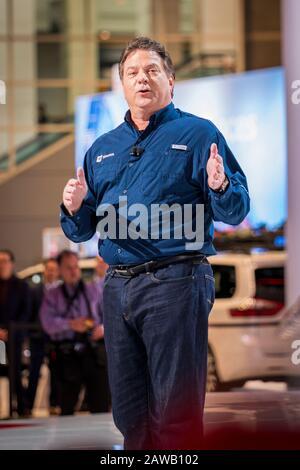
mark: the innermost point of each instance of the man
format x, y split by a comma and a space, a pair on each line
14, 308
99, 277
70, 316
100, 271
98, 281
158, 292
38, 340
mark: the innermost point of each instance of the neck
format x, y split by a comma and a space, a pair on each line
140, 119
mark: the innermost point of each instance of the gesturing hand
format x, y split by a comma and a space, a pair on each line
74, 192
215, 169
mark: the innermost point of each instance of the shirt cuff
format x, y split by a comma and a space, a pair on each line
222, 195
65, 212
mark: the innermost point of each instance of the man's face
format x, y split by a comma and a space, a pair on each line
51, 272
6, 266
69, 270
145, 82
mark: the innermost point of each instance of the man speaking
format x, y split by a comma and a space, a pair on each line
159, 288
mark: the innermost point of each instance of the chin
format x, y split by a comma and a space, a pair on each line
145, 102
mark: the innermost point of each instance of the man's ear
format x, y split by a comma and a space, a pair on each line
172, 84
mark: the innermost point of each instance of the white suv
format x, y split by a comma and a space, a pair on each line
245, 323
244, 339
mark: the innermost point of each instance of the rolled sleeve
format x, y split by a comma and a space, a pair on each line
81, 226
232, 206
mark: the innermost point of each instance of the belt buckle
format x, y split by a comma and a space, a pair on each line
121, 271
126, 272
132, 271
149, 264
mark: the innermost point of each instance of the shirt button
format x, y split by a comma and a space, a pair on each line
130, 164
119, 250
125, 191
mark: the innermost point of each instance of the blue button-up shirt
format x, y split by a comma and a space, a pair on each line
171, 169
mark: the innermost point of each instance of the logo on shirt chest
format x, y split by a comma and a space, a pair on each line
182, 147
102, 157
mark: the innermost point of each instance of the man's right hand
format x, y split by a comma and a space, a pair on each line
74, 192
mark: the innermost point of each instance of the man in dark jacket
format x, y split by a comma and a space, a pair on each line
14, 309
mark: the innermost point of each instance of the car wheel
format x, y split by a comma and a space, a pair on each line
212, 382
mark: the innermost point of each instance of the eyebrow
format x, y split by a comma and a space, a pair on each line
152, 65
147, 66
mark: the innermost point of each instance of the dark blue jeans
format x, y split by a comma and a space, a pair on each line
156, 328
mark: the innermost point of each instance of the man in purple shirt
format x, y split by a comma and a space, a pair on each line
71, 315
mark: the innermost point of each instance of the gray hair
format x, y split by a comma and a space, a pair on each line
147, 44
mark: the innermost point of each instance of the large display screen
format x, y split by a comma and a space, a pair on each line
248, 108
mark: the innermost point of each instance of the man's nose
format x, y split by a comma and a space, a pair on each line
142, 77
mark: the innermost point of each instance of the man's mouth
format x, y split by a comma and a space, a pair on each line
143, 92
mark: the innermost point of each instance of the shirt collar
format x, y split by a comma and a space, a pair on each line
165, 114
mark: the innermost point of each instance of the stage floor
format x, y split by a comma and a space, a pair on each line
249, 411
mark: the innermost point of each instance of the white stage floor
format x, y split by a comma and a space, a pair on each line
250, 410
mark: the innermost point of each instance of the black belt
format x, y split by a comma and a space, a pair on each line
155, 264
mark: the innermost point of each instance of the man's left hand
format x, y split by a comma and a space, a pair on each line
215, 169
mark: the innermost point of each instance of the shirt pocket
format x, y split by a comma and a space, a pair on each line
170, 177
